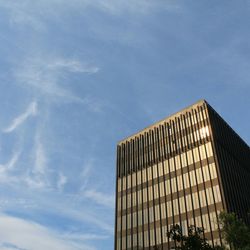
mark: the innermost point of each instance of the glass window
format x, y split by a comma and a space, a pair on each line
156, 192
202, 152
192, 178
206, 173
160, 168
157, 213
118, 244
173, 184
209, 196
129, 221
195, 200
190, 157
139, 217
198, 221
186, 180
145, 215
150, 193
146, 242
217, 193
149, 173
152, 237
177, 162
179, 182
213, 171
163, 211
169, 209
171, 163
199, 175
175, 207
155, 175
158, 236
124, 202
183, 160
167, 183
209, 149
134, 179
161, 184
138, 177
124, 222
140, 240
165, 167
129, 181
184, 227
118, 223
182, 205
202, 198
119, 185
145, 195
134, 240
144, 175
119, 203
124, 242
124, 183
134, 198
196, 155
129, 200
204, 132
206, 223
151, 214
213, 220
134, 219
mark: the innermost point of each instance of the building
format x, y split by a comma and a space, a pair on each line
182, 170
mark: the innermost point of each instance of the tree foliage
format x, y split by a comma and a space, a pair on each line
235, 232
193, 241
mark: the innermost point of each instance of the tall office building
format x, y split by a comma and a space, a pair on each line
182, 170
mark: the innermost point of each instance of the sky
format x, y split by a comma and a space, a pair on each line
78, 76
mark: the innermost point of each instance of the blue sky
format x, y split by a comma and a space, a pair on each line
78, 76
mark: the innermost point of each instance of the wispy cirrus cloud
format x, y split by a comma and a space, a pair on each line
11, 163
37, 176
24, 234
19, 120
62, 180
100, 198
45, 75
74, 66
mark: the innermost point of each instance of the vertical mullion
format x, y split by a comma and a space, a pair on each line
163, 129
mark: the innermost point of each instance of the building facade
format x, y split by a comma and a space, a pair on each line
183, 170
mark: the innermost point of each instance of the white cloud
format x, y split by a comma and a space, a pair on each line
30, 111
37, 176
73, 66
84, 237
100, 198
62, 180
45, 75
24, 234
11, 163
40, 157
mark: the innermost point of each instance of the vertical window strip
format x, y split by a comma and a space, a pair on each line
151, 134
191, 221
212, 168
126, 176
176, 131
206, 176
147, 177
164, 208
140, 147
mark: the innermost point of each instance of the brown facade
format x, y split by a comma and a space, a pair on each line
171, 173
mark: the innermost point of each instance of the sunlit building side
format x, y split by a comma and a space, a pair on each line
182, 170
